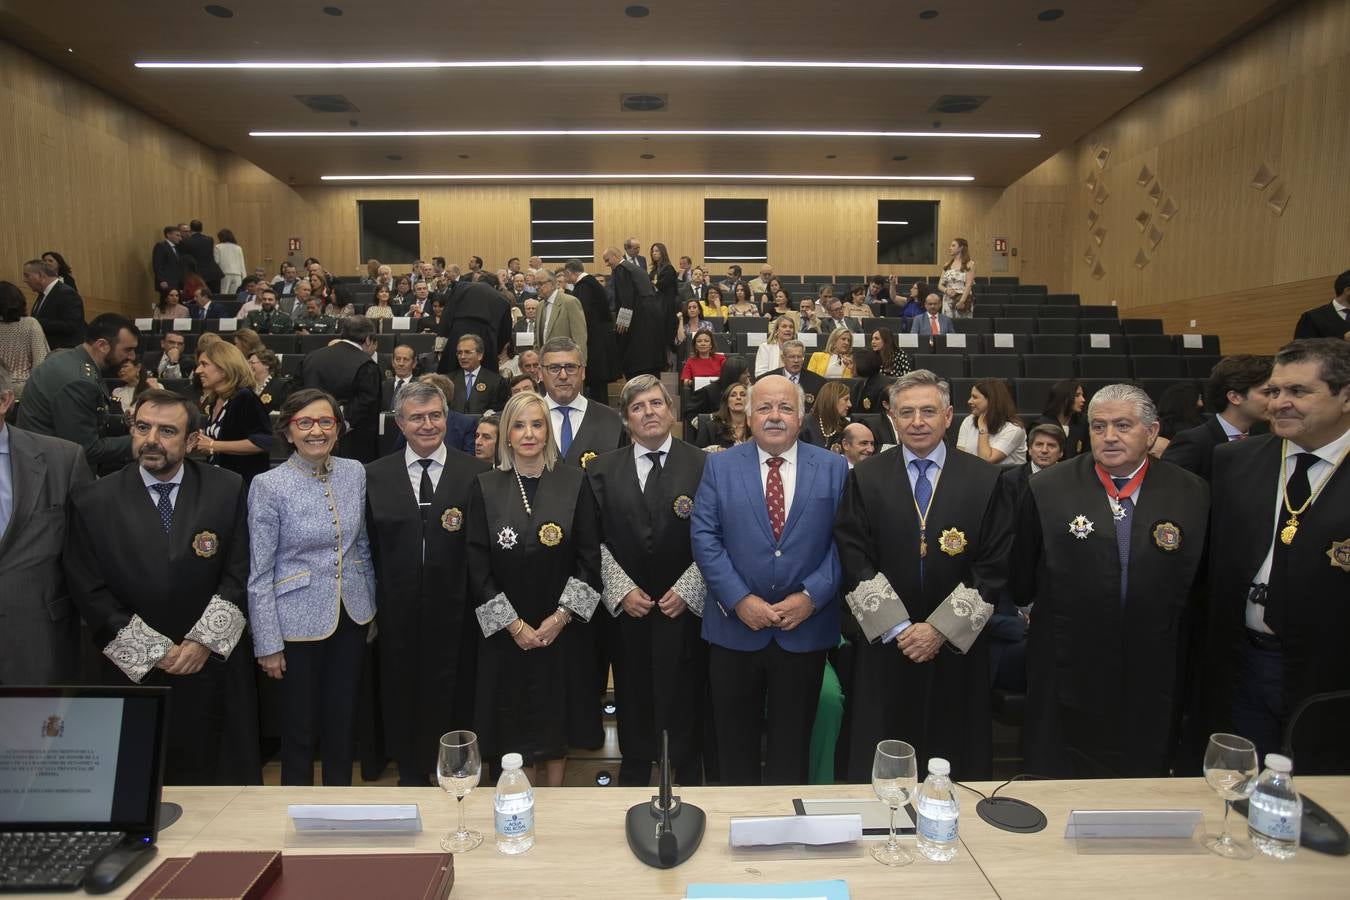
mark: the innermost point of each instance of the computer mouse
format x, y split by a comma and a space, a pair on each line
116, 866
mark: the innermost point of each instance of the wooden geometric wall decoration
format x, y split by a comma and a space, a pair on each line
1098, 270
1140, 260
1142, 219
1155, 193
1168, 210
1101, 156
1154, 238
1099, 235
1145, 176
1099, 196
1263, 177
1092, 218
1089, 255
1091, 182
1279, 200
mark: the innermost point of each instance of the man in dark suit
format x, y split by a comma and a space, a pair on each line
652, 586
202, 248
347, 370
475, 308
157, 558
58, 309
583, 428
695, 287
923, 543
632, 252
1236, 394
416, 500
403, 362
477, 388
763, 538
644, 332
1280, 564
1108, 547
1045, 447
165, 263
40, 643
169, 361
793, 369
1330, 320
601, 349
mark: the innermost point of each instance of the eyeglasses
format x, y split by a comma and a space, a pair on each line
555, 369
420, 419
306, 423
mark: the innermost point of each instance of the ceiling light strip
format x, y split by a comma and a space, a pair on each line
645, 176
736, 258
562, 221
653, 132
735, 221
639, 64
578, 240
880, 222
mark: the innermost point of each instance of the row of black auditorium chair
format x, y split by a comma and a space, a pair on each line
1056, 366
286, 344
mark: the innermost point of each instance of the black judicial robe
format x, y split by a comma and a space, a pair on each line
1310, 606
942, 706
1104, 683
540, 702
661, 663
427, 631
600, 431
120, 563
642, 348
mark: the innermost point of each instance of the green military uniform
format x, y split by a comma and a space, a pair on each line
65, 397
275, 322
316, 324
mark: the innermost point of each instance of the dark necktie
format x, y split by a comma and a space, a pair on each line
773, 496
164, 507
1123, 536
425, 489
923, 496
398, 386
651, 491
1297, 491
565, 434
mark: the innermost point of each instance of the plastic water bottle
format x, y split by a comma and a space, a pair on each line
513, 808
1275, 811
938, 812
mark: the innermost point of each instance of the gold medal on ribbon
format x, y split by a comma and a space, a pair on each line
952, 542
550, 534
205, 544
1289, 531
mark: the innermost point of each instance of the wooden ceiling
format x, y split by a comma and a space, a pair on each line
101, 41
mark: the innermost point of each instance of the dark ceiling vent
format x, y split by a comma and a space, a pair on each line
643, 102
957, 103
327, 103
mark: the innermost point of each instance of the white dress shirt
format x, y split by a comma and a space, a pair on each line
644, 465
578, 407
1230, 430
150, 482
787, 471
411, 461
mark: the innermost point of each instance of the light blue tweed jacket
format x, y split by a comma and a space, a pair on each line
308, 552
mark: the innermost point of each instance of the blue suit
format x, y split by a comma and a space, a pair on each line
920, 324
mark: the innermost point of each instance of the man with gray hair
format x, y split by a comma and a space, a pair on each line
652, 586
416, 500
923, 540
1108, 545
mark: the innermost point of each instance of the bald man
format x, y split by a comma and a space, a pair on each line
857, 443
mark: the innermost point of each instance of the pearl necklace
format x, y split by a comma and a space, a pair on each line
524, 499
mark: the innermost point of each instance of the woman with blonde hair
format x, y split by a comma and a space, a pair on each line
237, 433
836, 360
957, 277
247, 340
769, 356
534, 576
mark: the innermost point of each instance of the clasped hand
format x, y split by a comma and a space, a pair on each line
546, 633
186, 658
920, 642
757, 613
637, 603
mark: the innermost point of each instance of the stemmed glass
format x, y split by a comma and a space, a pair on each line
1230, 769
458, 767
893, 778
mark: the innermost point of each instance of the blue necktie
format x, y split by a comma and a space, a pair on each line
565, 435
468, 387
164, 507
923, 493
1123, 537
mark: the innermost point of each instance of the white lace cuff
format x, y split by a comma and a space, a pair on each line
579, 598
219, 628
495, 615
616, 581
876, 606
692, 589
961, 617
137, 648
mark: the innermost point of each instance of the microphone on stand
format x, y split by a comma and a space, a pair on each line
664, 832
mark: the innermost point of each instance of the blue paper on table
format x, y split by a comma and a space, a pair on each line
793, 890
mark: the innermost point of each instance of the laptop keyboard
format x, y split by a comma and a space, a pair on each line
51, 860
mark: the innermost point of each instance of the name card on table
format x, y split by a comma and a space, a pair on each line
182, 324
384, 416
1003, 341
809, 339
231, 324
859, 339
524, 339
754, 339
956, 339
400, 323
702, 381
1193, 341
1132, 823
814, 831
403, 818
907, 340
145, 324
1099, 341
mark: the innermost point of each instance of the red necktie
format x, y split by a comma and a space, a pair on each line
932, 323
773, 496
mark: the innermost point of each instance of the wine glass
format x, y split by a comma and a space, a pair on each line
893, 778
1230, 769
458, 766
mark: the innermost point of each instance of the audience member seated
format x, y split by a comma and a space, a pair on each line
22, 344
703, 361
521, 384
933, 321
825, 424
1236, 394
312, 320
708, 399
381, 306
692, 320
836, 359
269, 383
778, 304
856, 443
741, 302
769, 355
169, 307
268, 319
728, 426
485, 439
713, 308
992, 431
136, 380
870, 393
1181, 407
246, 339
857, 306
1065, 409
431, 319
793, 356
808, 317
894, 361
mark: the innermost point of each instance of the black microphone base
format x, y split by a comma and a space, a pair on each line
643, 829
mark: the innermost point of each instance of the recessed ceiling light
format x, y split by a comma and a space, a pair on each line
70, 49
649, 156
641, 64
1050, 15
220, 12
393, 157
636, 12
644, 176
655, 132
332, 10
928, 14
899, 158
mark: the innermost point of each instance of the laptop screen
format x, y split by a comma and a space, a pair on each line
81, 758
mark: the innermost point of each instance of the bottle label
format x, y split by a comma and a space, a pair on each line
938, 830
1272, 824
514, 825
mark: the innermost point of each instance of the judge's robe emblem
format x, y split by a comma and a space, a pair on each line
452, 519
550, 534
1080, 527
587, 457
952, 542
683, 506
205, 544
1167, 536
506, 538
1339, 554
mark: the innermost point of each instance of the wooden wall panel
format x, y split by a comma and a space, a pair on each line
1256, 320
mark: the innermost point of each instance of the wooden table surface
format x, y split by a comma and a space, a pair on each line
581, 851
